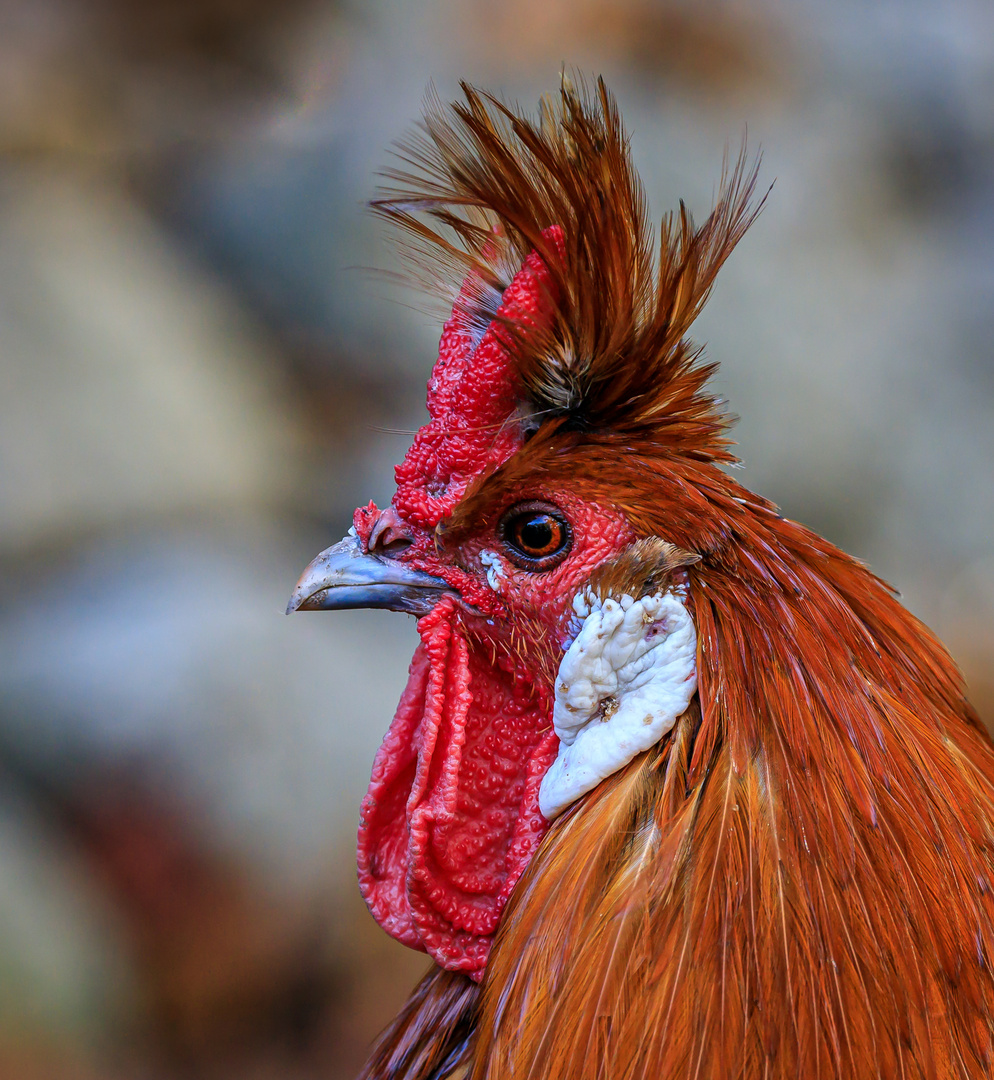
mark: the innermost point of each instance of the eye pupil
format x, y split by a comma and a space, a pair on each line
538, 535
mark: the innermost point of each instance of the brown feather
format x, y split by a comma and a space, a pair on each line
491, 183
429, 1039
816, 900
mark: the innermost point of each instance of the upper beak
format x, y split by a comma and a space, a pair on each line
343, 576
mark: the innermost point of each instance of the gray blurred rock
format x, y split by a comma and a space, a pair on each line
171, 654
130, 384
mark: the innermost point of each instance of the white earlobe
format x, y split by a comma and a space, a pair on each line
628, 674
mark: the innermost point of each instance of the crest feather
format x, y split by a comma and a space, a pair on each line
480, 187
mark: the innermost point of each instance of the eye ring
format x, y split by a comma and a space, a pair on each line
535, 535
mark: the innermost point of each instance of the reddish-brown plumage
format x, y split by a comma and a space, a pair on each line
796, 881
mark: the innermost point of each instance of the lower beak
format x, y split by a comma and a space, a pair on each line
344, 576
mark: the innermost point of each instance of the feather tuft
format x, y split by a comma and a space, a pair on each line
482, 185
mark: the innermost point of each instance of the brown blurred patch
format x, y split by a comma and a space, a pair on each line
711, 49
977, 666
232, 38
376, 975
236, 980
216, 955
34, 1062
109, 79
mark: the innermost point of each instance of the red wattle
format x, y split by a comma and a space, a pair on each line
451, 817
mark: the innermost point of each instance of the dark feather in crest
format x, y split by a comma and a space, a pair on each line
479, 185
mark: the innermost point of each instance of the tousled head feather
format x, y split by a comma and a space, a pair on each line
482, 186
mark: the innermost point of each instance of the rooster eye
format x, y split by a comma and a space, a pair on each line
535, 536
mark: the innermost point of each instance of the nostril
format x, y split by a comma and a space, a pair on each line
395, 546
390, 535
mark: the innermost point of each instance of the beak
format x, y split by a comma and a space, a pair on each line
344, 577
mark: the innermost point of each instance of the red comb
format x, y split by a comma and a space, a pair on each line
472, 395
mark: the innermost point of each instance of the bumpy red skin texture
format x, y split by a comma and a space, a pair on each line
472, 400
451, 817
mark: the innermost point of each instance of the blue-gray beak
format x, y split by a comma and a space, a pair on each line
343, 576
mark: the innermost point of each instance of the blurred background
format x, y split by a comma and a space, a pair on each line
199, 377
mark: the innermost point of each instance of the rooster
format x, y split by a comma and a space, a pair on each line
676, 788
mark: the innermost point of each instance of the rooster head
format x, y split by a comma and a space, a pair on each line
568, 417
724, 796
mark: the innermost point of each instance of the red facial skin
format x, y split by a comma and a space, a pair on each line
451, 817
